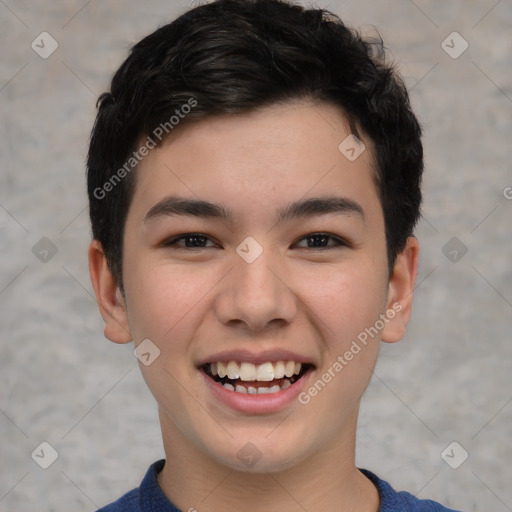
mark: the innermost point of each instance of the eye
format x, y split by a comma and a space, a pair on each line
199, 241
320, 241
189, 241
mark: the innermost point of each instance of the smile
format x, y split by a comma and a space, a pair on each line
248, 378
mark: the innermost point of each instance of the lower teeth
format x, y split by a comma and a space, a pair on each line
237, 387
251, 390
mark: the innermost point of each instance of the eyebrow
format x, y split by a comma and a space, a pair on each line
174, 205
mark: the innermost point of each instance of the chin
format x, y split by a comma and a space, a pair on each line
260, 455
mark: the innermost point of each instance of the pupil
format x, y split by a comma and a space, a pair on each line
196, 241
318, 240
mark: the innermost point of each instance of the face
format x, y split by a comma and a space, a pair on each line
255, 263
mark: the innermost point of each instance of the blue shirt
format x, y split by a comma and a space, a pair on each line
149, 497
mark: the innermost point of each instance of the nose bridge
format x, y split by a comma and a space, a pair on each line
254, 292
256, 276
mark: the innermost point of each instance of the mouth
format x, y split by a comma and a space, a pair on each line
256, 379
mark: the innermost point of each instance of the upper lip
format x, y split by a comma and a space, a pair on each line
255, 357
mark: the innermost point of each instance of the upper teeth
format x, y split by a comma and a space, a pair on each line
249, 372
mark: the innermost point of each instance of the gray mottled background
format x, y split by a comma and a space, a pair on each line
62, 383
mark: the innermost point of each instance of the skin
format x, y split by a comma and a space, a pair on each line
194, 302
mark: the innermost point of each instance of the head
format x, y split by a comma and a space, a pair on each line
244, 107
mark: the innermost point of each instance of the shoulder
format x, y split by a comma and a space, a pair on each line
148, 497
393, 501
127, 503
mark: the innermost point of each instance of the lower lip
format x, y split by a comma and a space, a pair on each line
256, 404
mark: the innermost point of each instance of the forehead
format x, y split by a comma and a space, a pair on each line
260, 160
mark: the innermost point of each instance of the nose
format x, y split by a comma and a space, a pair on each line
256, 295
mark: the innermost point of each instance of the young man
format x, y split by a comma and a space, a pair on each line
254, 181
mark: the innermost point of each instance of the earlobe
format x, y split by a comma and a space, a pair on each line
110, 300
400, 292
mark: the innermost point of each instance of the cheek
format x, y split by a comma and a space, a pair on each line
165, 305
163, 299
345, 301
344, 310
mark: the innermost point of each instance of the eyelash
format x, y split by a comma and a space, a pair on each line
339, 242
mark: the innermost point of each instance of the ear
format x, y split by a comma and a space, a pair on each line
108, 295
400, 292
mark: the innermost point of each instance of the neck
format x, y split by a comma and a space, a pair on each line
327, 481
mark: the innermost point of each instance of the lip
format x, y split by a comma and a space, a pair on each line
256, 404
